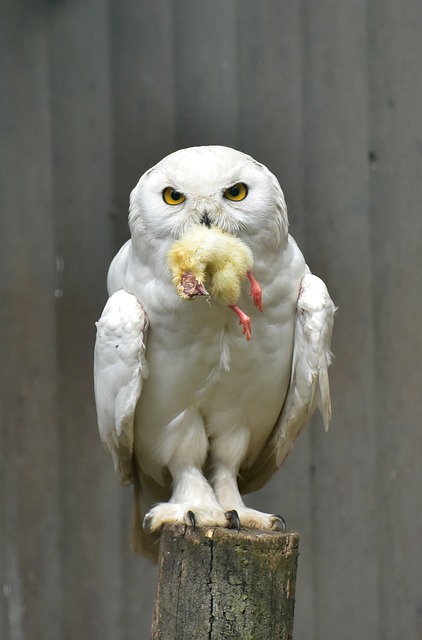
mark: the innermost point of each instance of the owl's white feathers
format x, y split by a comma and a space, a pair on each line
214, 412
119, 370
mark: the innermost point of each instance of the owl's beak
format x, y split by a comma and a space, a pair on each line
206, 221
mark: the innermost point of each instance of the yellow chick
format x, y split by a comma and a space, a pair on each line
219, 260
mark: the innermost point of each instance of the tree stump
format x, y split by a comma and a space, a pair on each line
220, 584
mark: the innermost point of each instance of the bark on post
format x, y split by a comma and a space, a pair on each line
220, 584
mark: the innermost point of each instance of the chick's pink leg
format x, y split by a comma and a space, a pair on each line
256, 291
244, 320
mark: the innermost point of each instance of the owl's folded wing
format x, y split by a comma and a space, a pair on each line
309, 385
119, 370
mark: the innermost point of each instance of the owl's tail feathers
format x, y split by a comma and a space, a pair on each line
147, 492
136, 534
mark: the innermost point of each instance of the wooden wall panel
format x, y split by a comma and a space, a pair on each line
270, 89
396, 247
206, 78
143, 96
29, 500
338, 249
81, 126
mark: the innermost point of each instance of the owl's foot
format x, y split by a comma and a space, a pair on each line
252, 519
256, 291
244, 320
181, 513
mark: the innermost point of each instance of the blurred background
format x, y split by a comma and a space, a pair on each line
328, 95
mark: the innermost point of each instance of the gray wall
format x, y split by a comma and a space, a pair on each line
328, 94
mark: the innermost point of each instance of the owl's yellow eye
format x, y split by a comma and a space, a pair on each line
237, 192
172, 196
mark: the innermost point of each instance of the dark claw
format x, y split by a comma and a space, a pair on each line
192, 519
233, 519
279, 523
147, 523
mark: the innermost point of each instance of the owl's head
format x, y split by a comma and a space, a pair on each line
212, 186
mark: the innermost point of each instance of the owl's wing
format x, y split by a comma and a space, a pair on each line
119, 370
309, 386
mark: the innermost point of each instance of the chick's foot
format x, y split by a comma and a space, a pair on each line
244, 320
256, 291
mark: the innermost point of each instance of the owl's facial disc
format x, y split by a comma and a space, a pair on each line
206, 204
210, 186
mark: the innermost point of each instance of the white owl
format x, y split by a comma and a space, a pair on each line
191, 412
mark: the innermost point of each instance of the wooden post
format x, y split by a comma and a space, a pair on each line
220, 584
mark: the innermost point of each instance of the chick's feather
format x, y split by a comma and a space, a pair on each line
216, 259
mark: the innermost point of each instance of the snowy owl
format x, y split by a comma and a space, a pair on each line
194, 409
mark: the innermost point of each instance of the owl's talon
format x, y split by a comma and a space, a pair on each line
147, 522
192, 519
279, 523
233, 519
